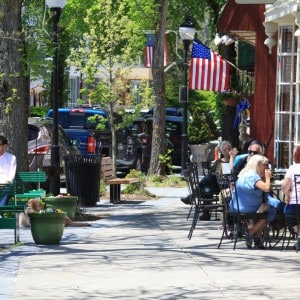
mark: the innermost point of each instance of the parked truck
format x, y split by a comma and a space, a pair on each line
76, 123
132, 153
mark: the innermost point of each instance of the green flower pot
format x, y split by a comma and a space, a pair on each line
66, 204
47, 228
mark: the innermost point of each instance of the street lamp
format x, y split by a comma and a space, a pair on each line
56, 8
187, 33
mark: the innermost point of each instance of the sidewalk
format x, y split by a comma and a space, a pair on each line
142, 252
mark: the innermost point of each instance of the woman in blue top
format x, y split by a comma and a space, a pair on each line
252, 181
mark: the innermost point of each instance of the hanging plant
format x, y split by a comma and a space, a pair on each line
230, 98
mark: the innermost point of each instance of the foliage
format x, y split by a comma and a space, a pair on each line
166, 159
165, 181
102, 189
105, 34
201, 129
38, 111
108, 49
138, 187
133, 173
211, 105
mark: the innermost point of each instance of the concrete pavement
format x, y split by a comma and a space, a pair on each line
142, 252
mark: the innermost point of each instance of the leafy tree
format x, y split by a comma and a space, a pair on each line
14, 83
108, 34
107, 50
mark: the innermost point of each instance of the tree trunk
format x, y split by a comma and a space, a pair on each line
14, 85
159, 135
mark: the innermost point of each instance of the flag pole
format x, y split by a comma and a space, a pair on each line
234, 66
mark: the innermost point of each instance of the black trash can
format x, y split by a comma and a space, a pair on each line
83, 177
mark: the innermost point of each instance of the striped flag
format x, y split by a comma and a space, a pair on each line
208, 70
150, 41
149, 50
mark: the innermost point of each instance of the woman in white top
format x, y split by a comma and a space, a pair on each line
288, 188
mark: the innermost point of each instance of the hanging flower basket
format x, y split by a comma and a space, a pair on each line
230, 101
47, 227
230, 98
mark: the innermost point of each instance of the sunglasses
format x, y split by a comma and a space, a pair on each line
252, 152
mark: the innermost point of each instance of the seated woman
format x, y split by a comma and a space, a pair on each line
220, 164
288, 188
36, 205
252, 181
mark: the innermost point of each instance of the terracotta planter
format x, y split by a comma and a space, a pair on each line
47, 228
67, 204
230, 101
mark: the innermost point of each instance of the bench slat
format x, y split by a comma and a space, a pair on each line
122, 180
24, 178
110, 178
32, 176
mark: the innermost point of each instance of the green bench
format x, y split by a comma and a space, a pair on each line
11, 221
24, 181
10, 212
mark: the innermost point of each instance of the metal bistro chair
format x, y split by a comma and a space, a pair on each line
237, 221
206, 167
224, 182
199, 202
295, 218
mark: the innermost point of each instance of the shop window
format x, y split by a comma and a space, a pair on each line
287, 121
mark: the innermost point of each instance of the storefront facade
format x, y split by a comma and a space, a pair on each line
275, 108
286, 19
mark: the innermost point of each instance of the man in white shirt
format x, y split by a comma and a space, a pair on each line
8, 166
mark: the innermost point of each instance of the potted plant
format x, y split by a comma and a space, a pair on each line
201, 130
47, 226
64, 202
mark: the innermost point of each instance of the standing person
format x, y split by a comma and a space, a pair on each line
8, 166
252, 181
289, 190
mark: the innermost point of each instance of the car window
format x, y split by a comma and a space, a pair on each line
77, 118
33, 132
173, 128
65, 141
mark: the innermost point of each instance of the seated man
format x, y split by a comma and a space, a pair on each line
8, 166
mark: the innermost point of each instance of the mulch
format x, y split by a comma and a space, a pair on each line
125, 199
90, 217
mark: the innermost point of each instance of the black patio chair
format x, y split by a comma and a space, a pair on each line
235, 221
200, 201
293, 220
206, 167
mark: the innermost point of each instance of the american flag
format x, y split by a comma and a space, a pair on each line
150, 41
208, 70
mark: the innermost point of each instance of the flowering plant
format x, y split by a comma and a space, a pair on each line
60, 196
50, 210
231, 94
39, 206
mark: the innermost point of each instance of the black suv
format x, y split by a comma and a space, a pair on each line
173, 137
132, 151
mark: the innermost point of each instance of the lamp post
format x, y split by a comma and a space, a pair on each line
187, 33
56, 7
